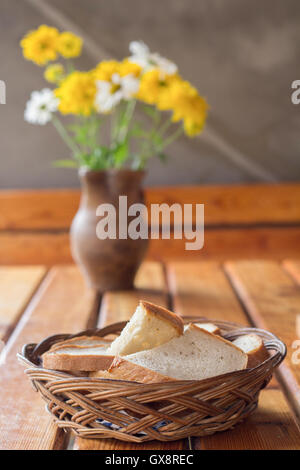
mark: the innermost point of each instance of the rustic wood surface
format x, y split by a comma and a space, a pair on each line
52, 248
61, 304
234, 204
251, 221
262, 293
17, 286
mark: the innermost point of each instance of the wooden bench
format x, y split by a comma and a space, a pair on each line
254, 221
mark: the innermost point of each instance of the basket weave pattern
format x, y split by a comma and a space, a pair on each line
129, 411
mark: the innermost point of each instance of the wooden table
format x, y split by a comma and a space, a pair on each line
36, 302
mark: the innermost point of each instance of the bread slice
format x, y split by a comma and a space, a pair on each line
214, 329
149, 326
254, 347
196, 355
81, 354
80, 342
124, 370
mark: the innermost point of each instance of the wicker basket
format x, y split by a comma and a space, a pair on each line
134, 412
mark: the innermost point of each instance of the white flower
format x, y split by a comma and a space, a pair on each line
40, 107
165, 65
109, 94
142, 56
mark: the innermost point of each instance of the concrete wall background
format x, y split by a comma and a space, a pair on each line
242, 55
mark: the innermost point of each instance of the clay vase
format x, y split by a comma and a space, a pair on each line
107, 264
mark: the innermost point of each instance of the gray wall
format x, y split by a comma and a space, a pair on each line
241, 54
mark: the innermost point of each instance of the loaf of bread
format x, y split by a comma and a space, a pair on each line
254, 347
124, 370
85, 353
150, 326
196, 355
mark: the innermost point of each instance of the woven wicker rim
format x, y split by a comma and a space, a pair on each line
31, 353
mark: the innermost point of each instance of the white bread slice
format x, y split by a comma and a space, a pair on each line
80, 354
80, 342
196, 355
121, 369
254, 347
149, 326
214, 329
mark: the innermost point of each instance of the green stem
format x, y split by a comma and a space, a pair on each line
65, 136
127, 118
173, 137
148, 149
165, 127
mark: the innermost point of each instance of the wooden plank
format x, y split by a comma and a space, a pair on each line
293, 268
23, 248
203, 289
38, 209
62, 304
234, 204
119, 306
272, 299
17, 285
271, 427
49, 248
233, 243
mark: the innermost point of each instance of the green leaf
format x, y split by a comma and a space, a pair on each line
120, 153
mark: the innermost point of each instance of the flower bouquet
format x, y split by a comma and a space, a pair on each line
123, 113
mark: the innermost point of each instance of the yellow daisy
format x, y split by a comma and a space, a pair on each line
40, 45
153, 88
77, 94
106, 69
69, 45
54, 73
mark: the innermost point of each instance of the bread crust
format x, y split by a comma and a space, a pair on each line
220, 338
86, 362
121, 369
82, 363
259, 354
216, 330
72, 343
164, 314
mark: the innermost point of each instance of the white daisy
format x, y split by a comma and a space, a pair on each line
142, 56
109, 94
40, 107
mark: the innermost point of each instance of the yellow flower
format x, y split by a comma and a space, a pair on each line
153, 88
187, 105
77, 94
129, 68
40, 45
106, 69
54, 73
69, 45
